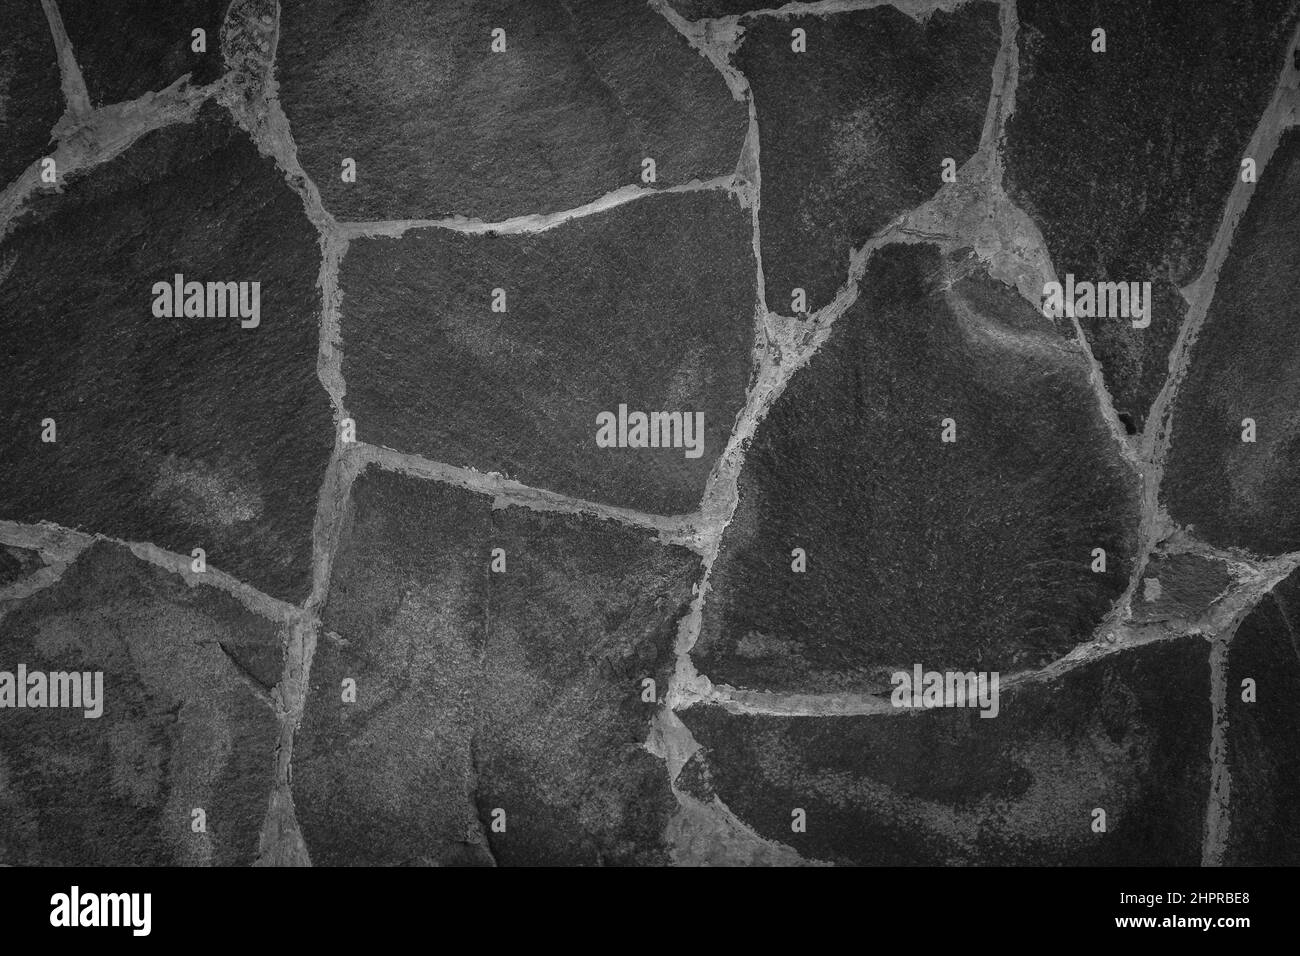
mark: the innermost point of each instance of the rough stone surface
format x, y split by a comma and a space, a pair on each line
185, 432
1233, 493
439, 125
186, 722
976, 552
478, 691
842, 152
30, 98
1144, 187
648, 305
1127, 734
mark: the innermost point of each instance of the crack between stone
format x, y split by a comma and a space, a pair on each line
532, 222
682, 530
19, 535
75, 97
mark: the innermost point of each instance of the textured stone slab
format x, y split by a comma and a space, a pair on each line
440, 125
650, 305
184, 432
187, 722
1233, 493
130, 47
854, 131
976, 552
1128, 734
509, 698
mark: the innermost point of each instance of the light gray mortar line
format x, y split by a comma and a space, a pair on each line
748, 167
15, 534
535, 222
76, 99
271, 132
329, 351
55, 543
995, 134
715, 40
916, 9
261, 116
668, 737
682, 530
1002, 103
1214, 839
1153, 445
102, 136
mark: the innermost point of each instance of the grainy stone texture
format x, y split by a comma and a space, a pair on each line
186, 722
517, 690
1127, 734
648, 305
842, 150
185, 432
959, 554
1263, 737
1244, 365
30, 99
439, 125
130, 47
388, 779
1154, 130
585, 612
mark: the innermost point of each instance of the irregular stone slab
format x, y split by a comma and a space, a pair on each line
130, 47
855, 130
1127, 734
1263, 735
484, 696
30, 98
585, 612
1245, 365
184, 432
649, 305
388, 779
1179, 587
1155, 129
975, 552
187, 722
439, 125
